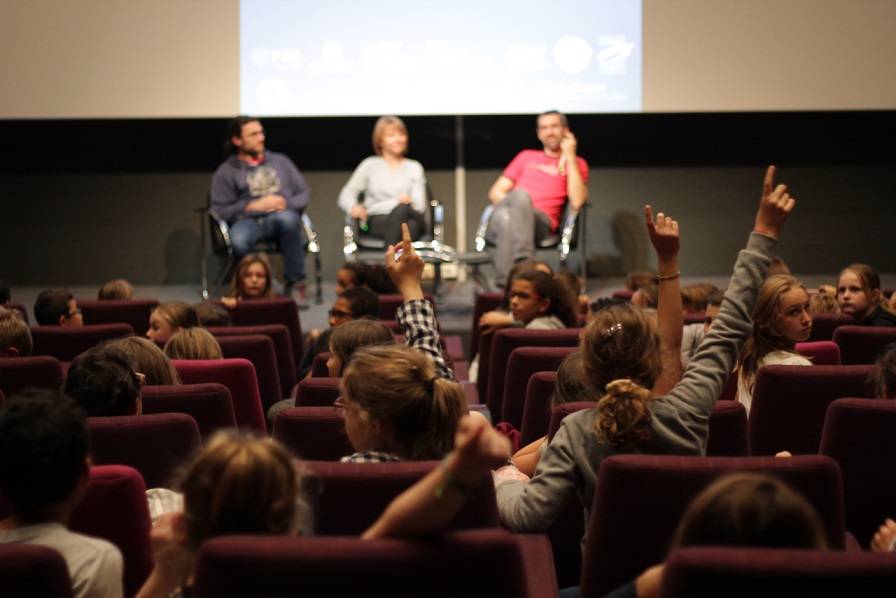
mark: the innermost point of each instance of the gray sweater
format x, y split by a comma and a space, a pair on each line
382, 186
680, 419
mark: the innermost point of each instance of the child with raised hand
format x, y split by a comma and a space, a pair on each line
621, 355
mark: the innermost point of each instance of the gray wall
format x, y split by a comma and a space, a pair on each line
87, 228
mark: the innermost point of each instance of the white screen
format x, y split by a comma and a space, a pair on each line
301, 58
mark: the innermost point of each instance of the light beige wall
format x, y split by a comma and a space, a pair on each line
746, 55
113, 58
178, 58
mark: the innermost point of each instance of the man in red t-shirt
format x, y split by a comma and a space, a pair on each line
530, 194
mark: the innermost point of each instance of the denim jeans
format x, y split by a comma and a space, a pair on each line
284, 228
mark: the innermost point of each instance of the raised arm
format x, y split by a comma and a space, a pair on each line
415, 315
429, 505
664, 236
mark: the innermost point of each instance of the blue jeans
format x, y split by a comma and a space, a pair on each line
284, 228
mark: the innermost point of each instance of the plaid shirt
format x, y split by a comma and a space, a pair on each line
370, 457
418, 321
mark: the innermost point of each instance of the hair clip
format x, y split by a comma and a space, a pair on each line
611, 330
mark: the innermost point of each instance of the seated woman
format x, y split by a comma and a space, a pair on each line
244, 485
781, 319
394, 186
251, 280
621, 352
859, 295
168, 318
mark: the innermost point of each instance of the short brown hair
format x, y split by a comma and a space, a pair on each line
193, 343
353, 335
148, 359
14, 333
118, 288
240, 484
177, 313
379, 129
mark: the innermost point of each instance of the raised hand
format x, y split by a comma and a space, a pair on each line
774, 206
404, 266
663, 233
883, 538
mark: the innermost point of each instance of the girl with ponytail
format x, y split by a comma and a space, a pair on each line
642, 405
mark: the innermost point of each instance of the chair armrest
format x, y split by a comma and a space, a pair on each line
479, 242
220, 225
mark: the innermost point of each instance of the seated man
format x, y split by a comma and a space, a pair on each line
15, 336
44, 472
102, 383
57, 307
261, 194
529, 196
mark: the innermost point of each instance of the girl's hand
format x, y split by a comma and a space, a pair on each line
775, 206
494, 320
404, 266
663, 233
229, 302
883, 539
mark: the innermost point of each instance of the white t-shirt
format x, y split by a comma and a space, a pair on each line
94, 565
745, 386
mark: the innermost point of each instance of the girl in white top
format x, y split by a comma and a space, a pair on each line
780, 320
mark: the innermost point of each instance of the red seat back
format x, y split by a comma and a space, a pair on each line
279, 310
644, 497
789, 404
134, 312
487, 301
278, 333
537, 409
823, 325
209, 404
859, 435
820, 352
319, 365
156, 445
863, 344
749, 572
317, 392
116, 510
19, 373
238, 375
314, 433
728, 433
338, 511
259, 349
65, 342
522, 363
34, 571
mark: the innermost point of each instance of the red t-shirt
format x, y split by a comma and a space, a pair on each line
538, 174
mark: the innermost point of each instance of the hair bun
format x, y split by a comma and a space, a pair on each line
625, 388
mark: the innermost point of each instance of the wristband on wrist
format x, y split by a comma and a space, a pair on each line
449, 481
660, 277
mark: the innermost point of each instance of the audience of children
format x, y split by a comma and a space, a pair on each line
57, 307
118, 288
622, 345
15, 335
859, 294
168, 318
44, 472
193, 343
251, 280
781, 319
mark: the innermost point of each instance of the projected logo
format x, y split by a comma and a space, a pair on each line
613, 58
572, 54
290, 58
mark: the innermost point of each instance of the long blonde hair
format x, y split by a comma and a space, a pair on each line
398, 386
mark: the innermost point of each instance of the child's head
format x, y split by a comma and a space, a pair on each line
781, 313
750, 509
823, 303
44, 446
534, 294
15, 336
858, 291
118, 288
351, 336
570, 280
57, 307
695, 296
639, 278
193, 343
713, 305
168, 318
359, 274
352, 304
242, 485
571, 385
521, 266
102, 381
212, 314
883, 376
146, 358
252, 278
647, 296
408, 410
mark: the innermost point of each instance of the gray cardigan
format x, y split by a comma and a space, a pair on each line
680, 419
382, 186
